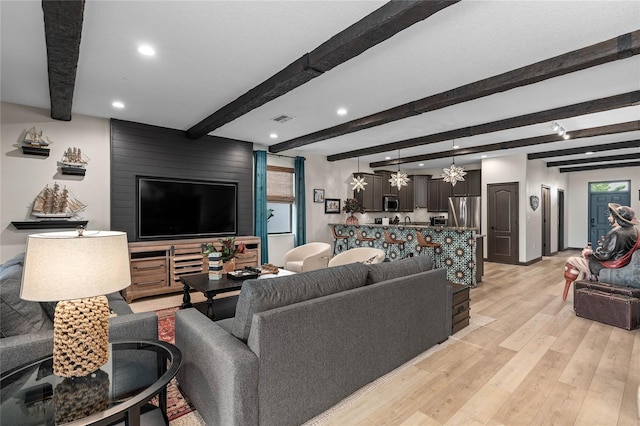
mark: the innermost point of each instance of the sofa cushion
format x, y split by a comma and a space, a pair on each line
399, 268
18, 316
425, 263
265, 294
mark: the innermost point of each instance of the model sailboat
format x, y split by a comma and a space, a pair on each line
74, 157
56, 203
34, 139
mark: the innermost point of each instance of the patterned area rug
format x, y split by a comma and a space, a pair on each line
177, 404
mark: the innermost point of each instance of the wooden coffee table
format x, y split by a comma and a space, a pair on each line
211, 288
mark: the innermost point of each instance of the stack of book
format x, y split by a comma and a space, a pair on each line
215, 266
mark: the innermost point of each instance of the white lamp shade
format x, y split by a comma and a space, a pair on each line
64, 266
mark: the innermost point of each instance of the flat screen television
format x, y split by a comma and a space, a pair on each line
176, 208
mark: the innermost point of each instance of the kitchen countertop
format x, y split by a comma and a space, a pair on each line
408, 225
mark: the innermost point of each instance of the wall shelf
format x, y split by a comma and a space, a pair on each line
49, 224
32, 150
77, 171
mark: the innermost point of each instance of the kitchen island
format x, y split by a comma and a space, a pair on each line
460, 248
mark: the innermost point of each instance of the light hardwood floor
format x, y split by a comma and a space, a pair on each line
536, 364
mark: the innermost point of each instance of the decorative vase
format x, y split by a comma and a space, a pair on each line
351, 220
229, 266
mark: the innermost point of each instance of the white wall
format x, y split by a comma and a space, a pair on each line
577, 199
24, 176
538, 175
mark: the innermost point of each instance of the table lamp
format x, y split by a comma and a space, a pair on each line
77, 269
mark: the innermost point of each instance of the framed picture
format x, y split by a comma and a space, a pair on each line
318, 195
331, 205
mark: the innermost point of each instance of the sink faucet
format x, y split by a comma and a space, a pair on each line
407, 218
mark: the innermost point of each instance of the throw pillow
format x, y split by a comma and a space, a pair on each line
18, 316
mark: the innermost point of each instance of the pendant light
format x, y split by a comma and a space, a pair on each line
398, 179
358, 182
454, 173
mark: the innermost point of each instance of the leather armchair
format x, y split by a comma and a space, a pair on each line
359, 254
307, 257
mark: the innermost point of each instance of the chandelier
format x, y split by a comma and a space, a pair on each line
358, 182
398, 179
453, 173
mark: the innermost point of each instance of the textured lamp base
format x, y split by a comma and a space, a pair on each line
80, 336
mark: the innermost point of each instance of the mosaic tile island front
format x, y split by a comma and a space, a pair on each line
457, 250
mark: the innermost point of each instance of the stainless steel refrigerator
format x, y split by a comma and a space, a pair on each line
464, 212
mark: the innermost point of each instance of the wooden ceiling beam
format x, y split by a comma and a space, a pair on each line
589, 107
374, 28
592, 159
583, 149
599, 167
614, 49
630, 126
63, 30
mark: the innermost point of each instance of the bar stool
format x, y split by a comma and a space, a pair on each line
362, 239
337, 237
390, 241
427, 244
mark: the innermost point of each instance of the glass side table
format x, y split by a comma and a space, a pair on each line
119, 391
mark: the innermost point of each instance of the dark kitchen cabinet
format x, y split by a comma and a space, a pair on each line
420, 190
438, 193
387, 188
406, 196
371, 197
474, 182
470, 186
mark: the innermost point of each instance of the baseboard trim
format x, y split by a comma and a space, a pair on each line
530, 262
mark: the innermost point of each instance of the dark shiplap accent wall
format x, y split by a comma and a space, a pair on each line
144, 150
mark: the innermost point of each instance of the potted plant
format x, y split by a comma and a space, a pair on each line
351, 206
228, 250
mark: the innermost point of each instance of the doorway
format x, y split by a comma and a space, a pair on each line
502, 221
561, 246
600, 195
546, 220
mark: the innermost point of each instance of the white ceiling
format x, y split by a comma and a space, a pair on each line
211, 52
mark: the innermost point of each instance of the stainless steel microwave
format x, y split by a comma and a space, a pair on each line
390, 204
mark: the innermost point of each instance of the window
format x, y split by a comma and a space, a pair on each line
622, 186
280, 198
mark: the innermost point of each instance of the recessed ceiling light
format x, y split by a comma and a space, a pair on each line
342, 111
117, 104
387, 158
146, 50
273, 136
588, 153
421, 164
456, 146
483, 156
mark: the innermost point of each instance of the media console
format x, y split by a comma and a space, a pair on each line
156, 266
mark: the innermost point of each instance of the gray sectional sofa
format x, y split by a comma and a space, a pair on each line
26, 328
299, 344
